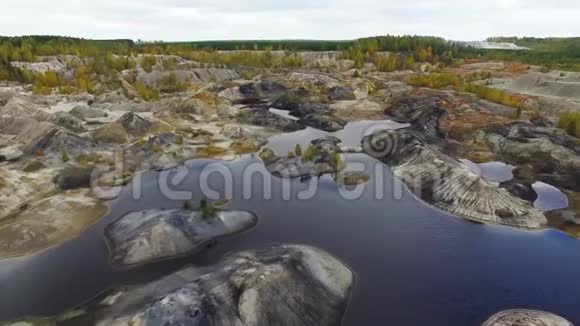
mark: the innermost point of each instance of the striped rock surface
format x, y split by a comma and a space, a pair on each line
448, 184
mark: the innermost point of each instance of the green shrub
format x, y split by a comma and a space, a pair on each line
186, 205
495, 95
169, 64
146, 93
64, 155
309, 154
207, 210
147, 63
170, 84
66, 90
41, 90
570, 122
298, 150
336, 161
435, 80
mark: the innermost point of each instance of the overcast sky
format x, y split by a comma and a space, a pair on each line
174, 20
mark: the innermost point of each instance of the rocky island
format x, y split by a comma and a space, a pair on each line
149, 236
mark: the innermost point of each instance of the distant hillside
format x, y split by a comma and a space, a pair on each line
51, 45
487, 45
570, 45
562, 53
554, 52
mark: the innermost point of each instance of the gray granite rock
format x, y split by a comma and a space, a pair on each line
526, 318
83, 112
264, 118
422, 113
67, 121
447, 183
553, 155
134, 124
323, 122
287, 285
304, 109
339, 93
149, 236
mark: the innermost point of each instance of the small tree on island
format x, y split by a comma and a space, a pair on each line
298, 150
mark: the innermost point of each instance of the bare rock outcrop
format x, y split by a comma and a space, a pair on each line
48, 222
423, 113
144, 237
42, 67
67, 121
184, 107
447, 183
264, 118
323, 122
553, 155
134, 124
285, 285
45, 140
523, 317
199, 76
315, 78
84, 112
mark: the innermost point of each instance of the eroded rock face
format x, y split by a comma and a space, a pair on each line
526, 318
323, 122
263, 91
67, 121
553, 155
148, 236
264, 118
285, 285
134, 124
314, 77
358, 110
50, 142
198, 76
298, 107
339, 93
83, 112
523, 190
184, 106
447, 183
423, 113
304, 109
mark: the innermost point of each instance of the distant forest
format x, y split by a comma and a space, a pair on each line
27, 47
562, 53
554, 52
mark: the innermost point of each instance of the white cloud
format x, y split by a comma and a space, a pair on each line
283, 19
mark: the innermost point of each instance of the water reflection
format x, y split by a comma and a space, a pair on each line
550, 198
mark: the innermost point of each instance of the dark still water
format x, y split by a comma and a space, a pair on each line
414, 265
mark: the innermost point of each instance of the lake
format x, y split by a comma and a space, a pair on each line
414, 265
